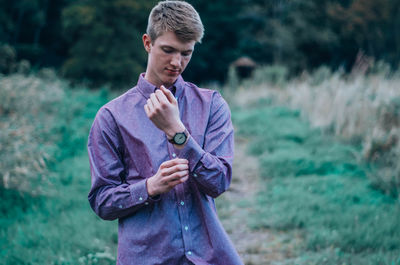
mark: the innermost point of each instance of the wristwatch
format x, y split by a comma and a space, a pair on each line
179, 138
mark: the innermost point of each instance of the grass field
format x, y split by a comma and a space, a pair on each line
316, 184
311, 183
54, 224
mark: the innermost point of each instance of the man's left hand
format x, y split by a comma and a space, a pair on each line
162, 109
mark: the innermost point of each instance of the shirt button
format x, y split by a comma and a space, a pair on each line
189, 252
182, 203
194, 175
120, 206
140, 199
146, 203
186, 228
173, 155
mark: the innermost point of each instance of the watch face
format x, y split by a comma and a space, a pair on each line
180, 138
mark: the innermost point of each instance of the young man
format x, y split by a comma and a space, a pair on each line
161, 153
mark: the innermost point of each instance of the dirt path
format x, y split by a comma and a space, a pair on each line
256, 247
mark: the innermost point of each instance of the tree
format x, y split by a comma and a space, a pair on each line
369, 26
219, 47
33, 28
294, 33
105, 40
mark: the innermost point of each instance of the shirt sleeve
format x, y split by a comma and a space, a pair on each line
110, 196
211, 167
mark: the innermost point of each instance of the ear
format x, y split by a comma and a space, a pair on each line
146, 42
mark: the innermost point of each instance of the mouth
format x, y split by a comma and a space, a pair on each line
172, 71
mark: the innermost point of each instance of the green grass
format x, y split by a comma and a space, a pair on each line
311, 183
316, 184
57, 226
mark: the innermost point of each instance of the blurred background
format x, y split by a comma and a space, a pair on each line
314, 90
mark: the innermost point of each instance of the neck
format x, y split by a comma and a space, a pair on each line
158, 83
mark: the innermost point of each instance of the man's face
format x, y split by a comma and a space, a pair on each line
167, 58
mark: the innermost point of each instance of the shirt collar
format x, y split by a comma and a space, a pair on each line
146, 88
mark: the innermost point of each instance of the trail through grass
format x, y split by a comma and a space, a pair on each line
316, 184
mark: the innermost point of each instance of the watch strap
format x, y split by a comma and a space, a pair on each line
172, 140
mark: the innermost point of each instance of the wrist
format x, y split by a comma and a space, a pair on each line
149, 186
181, 146
174, 130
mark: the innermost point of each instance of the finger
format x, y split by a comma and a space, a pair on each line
181, 180
176, 176
146, 109
180, 160
154, 100
168, 94
161, 97
173, 162
184, 179
172, 184
173, 169
150, 106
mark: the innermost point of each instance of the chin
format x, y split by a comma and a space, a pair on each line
170, 80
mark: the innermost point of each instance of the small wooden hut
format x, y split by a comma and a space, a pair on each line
244, 67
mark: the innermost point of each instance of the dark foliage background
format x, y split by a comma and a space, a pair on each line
100, 41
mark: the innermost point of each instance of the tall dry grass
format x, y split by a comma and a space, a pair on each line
44, 176
362, 108
27, 114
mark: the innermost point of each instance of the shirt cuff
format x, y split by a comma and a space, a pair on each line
139, 193
192, 151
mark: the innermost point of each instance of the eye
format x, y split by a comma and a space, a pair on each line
186, 54
167, 50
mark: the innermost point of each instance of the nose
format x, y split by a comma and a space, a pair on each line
176, 60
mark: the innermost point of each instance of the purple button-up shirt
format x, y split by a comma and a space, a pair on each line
125, 148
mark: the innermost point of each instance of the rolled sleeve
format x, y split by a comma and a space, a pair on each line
211, 167
192, 151
140, 195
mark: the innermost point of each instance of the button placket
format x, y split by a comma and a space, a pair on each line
184, 218
182, 208
170, 149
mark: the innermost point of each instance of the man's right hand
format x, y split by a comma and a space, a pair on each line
169, 174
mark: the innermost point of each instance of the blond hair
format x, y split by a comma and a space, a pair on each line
176, 16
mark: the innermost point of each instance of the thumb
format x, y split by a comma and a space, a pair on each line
168, 94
